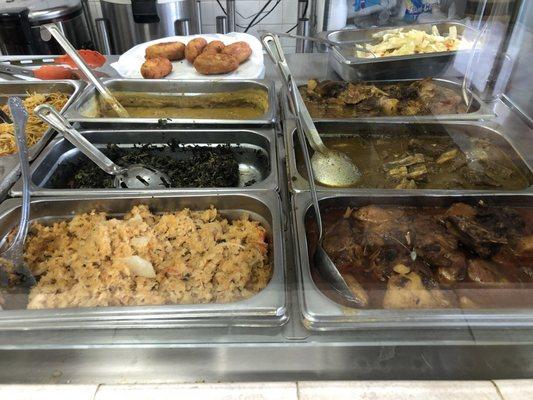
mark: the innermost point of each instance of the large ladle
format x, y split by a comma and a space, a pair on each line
135, 176
53, 30
327, 269
330, 167
15, 252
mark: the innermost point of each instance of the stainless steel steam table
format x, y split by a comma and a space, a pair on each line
289, 352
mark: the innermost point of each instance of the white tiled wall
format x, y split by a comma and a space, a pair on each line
281, 19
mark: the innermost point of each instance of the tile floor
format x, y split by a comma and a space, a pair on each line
353, 390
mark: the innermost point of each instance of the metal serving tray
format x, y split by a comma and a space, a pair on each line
77, 112
319, 312
479, 108
267, 308
60, 152
350, 68
520, 145
9, 165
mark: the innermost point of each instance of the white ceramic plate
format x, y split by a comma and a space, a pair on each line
129, 63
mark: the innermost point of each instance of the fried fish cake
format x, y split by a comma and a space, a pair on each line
214, 64
194, 48
155, 68
174, 51
216, 46
240, 50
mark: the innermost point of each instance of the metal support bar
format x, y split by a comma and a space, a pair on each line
230, 12
302, 5
89, 21
102, 36
302, 45
181, 27
221, 26
199, 16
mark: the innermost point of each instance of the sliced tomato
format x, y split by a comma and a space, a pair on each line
50, 72
92, 58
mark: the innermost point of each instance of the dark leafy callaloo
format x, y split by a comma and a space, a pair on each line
187, 166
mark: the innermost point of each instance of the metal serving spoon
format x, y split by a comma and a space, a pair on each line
135, 176
322, 262
330, 167
53, 30
15, 251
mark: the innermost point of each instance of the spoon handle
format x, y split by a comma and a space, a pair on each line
275, 51
50, 115
65, 44
20, 117
277, 55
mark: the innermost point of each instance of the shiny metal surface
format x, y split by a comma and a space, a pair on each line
303, 45
136, 176
267, 308
221, 25
514, 142
86, 104
9, 165
230, 14
328, 167
352, 68
126, 33
59, 154
103, 36
15, 252
478, 110
16, 70
55, 32
288, 353
76, 30
68, 14
321, 313
181, 27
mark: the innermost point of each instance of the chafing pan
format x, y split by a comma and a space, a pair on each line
9, 165
267, 308
517, 147
344, 61
320, 312
256, 157
85, 106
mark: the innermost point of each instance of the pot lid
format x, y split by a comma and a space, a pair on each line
42, 10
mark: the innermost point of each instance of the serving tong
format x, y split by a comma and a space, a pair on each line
15, 252
15, 70
136, 176
305, 127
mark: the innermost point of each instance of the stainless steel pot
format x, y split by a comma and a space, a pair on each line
20, 24
130, 22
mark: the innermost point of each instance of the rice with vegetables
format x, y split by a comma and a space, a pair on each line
147, 259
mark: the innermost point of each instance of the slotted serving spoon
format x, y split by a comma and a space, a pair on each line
322, 262
15, 251
135, 176
48, 30
330, 167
